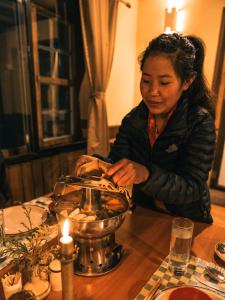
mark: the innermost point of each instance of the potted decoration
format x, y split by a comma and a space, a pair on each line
31, 256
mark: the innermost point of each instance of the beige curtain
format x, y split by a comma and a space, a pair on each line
98, 19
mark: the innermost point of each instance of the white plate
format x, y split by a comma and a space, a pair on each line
164, 295
218, 253
14, 216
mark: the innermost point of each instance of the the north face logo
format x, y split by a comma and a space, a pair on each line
172, 148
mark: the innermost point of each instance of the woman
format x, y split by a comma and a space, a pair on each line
165, 145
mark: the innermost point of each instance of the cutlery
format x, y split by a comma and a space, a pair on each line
153, 289
209, 284
215, 273
221, 247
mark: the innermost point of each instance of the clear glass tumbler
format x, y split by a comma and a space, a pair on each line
180, 245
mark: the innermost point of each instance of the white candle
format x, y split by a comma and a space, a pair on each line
66, 241
67, 251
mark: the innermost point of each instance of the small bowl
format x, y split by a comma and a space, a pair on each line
187, 293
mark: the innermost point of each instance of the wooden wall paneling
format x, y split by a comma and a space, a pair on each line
15, 182
35, 178
46, 163
28, 183
64, 164
38, 181
56, 169
70, 163
72, 157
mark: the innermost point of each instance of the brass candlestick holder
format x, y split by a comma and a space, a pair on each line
68, 253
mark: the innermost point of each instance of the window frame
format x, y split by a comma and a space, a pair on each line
55, 81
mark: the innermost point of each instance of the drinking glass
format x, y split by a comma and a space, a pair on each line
180, 245
2, 229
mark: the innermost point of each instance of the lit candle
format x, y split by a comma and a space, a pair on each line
67, 251
66, 241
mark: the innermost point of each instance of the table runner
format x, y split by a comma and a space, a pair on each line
44, 203
195, 268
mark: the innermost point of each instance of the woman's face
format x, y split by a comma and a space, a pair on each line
160, 87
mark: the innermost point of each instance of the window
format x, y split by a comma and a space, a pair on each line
41, 62
14, 82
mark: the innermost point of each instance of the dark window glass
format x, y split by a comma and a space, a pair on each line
45, 91
44, 62
63, 66
64, 97
63, 122
56, 110
62, 42
47, 126
43, 24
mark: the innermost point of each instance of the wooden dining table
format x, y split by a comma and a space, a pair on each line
145, 237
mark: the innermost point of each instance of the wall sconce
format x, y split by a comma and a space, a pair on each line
170, 20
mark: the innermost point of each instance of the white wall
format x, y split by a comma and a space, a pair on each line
136, 27
120, 90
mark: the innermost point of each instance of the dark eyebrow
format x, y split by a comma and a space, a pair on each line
161, 76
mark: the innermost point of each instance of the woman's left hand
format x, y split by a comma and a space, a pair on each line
126, 172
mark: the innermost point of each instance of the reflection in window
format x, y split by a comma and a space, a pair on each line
56, 110
14, 88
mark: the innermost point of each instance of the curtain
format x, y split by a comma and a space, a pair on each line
98, 20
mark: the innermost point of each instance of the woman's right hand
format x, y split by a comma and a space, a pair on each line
126, 172
83, 159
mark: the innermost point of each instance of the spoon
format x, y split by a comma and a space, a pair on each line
215, 274
221, 247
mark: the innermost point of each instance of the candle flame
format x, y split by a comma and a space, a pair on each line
65, 229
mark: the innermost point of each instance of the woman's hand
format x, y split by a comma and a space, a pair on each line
83, 159
126, 172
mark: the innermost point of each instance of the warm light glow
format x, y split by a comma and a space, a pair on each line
174, 3
170, 20
65, 229
168, 30
65, 239
180, 21
174, 16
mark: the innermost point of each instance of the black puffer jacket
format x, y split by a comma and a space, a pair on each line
179, 162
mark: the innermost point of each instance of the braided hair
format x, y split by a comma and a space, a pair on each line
186, 54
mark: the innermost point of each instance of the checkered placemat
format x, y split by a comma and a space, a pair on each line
195, 268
